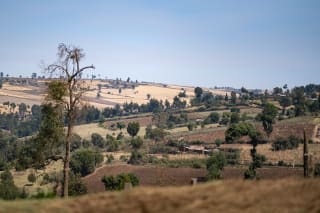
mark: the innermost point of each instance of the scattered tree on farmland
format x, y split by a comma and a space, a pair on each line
32, 178
198, 92
235, 118
156, 134
269, 113
233, 97
22, 110
13, 106
8, 190
84, 161
215, 165
298, 100
277, 91
214, 117
34, 75
284, 101
234, 132
148, 96
225, 118
226, 97
68, 92
51, 134
133, 128
178, 104
97, 140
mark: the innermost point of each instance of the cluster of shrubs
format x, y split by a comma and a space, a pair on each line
116, 183
283, 144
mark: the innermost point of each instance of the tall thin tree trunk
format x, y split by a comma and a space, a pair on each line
66, 167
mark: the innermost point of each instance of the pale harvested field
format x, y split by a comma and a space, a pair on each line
109, 97
86, 130
294, 156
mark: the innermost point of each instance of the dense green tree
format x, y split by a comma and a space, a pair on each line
298, 100
225, 118
178, 104
13, 106
235, 118
97, 140
268, 115
214, 117
236, 131
277, 91
22, 110
84, 161
133, 128
8, 190
198, 92
215, 165
50, 139
284, 101
233, 97
32, 178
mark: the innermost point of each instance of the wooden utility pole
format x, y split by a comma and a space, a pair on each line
305, 155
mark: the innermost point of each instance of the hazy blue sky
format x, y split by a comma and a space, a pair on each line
256, 44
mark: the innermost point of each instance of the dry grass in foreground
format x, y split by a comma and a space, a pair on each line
293, 195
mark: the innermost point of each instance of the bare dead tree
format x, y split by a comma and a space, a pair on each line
68, 91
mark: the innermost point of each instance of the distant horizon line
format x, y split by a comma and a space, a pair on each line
230, 88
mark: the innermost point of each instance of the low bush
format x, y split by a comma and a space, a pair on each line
76, 186
113, 183
110, 158
32, 178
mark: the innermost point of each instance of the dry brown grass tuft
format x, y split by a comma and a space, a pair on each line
287, 195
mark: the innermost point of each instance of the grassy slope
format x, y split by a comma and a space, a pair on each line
294, 195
